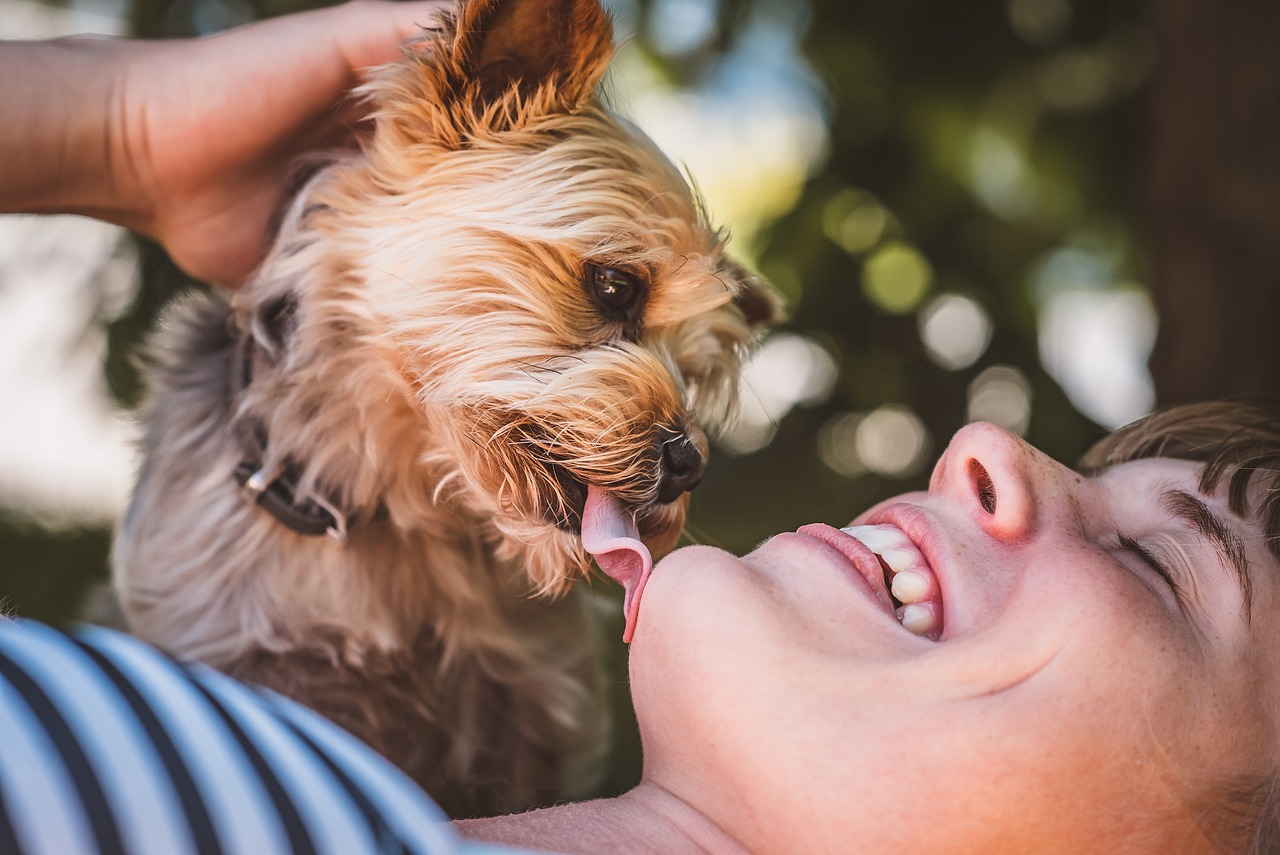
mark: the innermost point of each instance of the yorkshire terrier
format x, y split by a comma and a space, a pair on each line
362, 467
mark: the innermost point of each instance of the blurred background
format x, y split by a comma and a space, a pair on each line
1050, 214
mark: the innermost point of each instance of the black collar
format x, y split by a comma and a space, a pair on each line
275, 489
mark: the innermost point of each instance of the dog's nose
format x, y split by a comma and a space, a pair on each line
682, 467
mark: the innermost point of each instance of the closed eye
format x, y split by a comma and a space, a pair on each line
1145, 555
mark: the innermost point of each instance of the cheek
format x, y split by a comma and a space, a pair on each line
1128, 684
1098, 599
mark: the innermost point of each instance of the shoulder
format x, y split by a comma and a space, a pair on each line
112, 746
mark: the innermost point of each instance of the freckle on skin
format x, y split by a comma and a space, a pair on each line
1077, 511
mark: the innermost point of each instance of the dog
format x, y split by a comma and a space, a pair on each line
364, 472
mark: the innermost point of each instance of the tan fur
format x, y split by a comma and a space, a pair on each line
441, 348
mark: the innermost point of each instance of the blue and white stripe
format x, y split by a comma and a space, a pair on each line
108, 746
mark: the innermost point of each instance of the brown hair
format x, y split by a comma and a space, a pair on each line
1235, 440
1239, 443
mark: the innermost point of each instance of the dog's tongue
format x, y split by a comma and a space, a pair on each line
609, 533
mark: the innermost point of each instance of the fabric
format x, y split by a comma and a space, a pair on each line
107, 745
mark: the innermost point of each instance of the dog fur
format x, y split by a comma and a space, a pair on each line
436, 345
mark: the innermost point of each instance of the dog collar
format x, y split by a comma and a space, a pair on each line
274, 488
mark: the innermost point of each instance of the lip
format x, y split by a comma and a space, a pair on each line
859, 563
919, 529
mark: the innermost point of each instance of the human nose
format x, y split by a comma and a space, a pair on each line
995, 475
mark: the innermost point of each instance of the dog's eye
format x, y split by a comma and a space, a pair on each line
617, 290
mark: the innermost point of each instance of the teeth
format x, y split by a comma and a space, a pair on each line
909, 586
912, 581
917, 619
877, 537
899, 560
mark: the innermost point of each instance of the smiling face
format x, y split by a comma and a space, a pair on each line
1062, 690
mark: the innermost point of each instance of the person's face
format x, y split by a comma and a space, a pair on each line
1064, 698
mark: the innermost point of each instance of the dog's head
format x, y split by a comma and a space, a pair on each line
537, 284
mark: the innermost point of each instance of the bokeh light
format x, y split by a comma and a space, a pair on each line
1000, 175
855, 220
1097, 344
955, 330
838, 444
892, 441
66, 451
681, 26
788, 370
760, 114
897, 277
1096, 329
1075, 80
1002, 395
1039, 22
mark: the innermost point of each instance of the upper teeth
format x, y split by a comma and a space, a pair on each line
913, 583
909, 586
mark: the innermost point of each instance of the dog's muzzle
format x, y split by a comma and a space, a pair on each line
683, 466
679, 466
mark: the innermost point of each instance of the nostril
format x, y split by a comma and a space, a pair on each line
681, 457
984, 486
682, 467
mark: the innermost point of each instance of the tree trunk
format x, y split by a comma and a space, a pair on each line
1213, 198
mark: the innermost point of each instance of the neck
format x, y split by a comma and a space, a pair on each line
648, 819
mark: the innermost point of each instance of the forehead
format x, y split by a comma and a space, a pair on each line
1148, 482
593, 153
1140, 483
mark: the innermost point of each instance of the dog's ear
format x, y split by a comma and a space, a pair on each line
493, 66
559, 46
759, 303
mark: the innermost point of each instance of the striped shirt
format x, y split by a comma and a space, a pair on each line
108, 746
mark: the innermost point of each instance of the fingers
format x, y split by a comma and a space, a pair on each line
226, 114
369, 33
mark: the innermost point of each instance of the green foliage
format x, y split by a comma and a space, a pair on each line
954, 141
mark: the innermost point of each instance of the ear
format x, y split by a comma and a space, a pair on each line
759, 303
559, 46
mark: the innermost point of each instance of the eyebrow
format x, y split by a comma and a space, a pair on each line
1227, 543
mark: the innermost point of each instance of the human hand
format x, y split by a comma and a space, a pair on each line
210, 126
190, 141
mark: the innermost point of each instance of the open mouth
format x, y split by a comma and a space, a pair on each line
911, 582
567, 514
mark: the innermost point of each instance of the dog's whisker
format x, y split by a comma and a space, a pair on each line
529, 368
